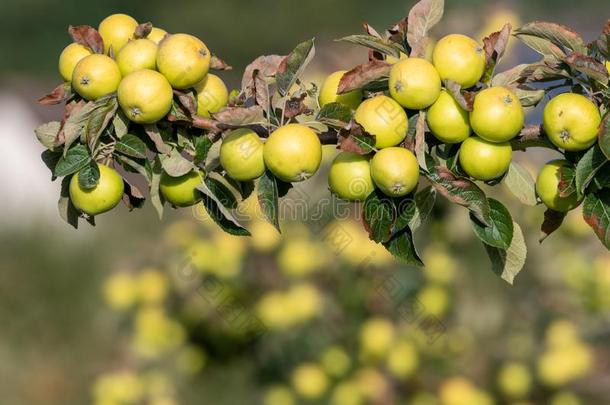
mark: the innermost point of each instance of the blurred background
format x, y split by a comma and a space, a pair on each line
138, 311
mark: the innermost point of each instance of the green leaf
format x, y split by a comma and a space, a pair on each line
529, 97
414, 212
543, 46
461, 191
67, 211
89, 176
99, 118
50, 159
604, 135
382, 45
175, 164
131, 145
156, 171
268, 198
507, 263
596, 212
559, 35
499, 233
403, 248
294, 65
74, 160
567, 181
379, 215
520, 183
47, 134
588, 166
335, 115
202, 147
217, 200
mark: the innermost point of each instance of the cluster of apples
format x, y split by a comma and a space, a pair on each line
571, 122
143, 71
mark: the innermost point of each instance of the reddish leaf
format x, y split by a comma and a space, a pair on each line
355, 139
552, 222
132, 196
589, 66
295, 106
259, 90
240, 116
398, 32
370, 30
267, 65
567, 181
362, 75
465, 99
559, 35
143, 30
87, 36
606, 29
494, 46
59, 94
71, 108
423, 16
596, 212
218, 64
461, 191
187, 100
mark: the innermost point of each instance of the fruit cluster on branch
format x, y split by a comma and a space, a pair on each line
418, 113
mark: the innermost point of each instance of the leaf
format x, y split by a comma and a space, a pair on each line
214, 198
120, 123
155, 181
362, 75
423, 16
155, 136
494, 46
143, 30
543, 46
203, 144
461, 191
132, 196
47, 134
378, 44
403, 248
552, 222
241, 116
74, 160
455, 90
520, 183
218, 64
188, 101
567, 181
507, 263
414, 212
99, 118
67, 211
509, 76
588, 66
175, 164
559, 35
293, 66
87, 36
588, 166
58, 95
50, 159
499, 233
295, 106
89, 176
596, 212
260, 90
529, 97
77, 123
355, 139
335, 115
604, 136
266, 65
378, 215
268, 198
178, 113
541, 72
131, 145
420, 140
